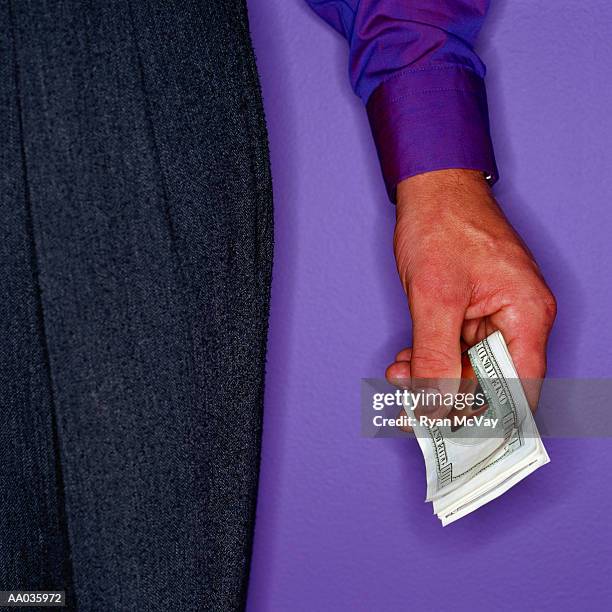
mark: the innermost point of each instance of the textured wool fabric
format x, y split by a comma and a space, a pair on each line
135, 273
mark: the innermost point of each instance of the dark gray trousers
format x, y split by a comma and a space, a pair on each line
135, 263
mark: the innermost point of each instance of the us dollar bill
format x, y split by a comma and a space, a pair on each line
470, 464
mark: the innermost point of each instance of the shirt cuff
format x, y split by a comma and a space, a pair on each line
431, 119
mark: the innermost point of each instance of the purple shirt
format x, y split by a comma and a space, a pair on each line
413, 64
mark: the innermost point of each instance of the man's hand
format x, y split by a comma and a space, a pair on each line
466, 273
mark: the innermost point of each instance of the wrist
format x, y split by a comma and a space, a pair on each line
442, 181
437, 192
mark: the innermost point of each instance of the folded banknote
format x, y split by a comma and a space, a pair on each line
473, 457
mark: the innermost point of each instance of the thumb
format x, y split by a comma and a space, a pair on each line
436, 349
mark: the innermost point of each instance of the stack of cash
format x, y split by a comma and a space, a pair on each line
471, 464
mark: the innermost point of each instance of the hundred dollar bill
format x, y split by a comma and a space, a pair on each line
469, 465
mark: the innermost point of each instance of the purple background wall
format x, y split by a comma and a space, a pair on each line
341, 520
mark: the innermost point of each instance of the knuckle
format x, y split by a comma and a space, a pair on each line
545, 305
549, 305
539, 302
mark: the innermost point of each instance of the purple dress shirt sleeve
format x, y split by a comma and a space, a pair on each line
413, 64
